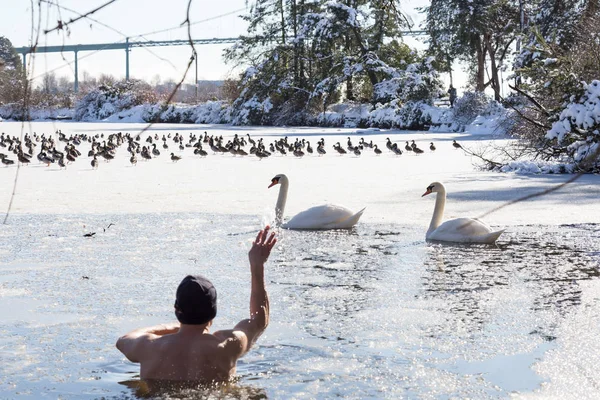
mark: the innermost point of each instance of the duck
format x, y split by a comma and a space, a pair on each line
459, 230
456, 145
175, 158
431, 146
322, 217
376, 150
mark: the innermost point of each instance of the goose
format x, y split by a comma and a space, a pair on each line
357, 152
408, 147
321, 150
133, 159
199, 151
456, 145
338, 148
316, 218
23, 159
175, 158
376, 150
94, 163
431, 146
462, 230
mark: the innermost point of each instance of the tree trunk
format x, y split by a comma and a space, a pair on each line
350, 89
295, 30
302, 53
480, 48
349, 81
282, 10
495, 80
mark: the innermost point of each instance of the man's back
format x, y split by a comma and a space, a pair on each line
191, 357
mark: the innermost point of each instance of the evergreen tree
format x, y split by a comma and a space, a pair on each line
12, 78
305, 56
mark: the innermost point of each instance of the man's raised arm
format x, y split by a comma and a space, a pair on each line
247, 331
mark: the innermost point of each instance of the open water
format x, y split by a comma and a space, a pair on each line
375, 312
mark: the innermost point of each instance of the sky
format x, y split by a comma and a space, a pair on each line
129, 18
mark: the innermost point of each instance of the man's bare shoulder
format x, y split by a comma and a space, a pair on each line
233, 341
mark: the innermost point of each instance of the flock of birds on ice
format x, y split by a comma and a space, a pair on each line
153, 146
465, 230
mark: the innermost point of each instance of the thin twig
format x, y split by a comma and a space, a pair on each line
62, 25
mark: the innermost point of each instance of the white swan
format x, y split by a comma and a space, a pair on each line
320, 217
463, 230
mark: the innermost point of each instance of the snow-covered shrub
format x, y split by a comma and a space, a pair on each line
419, 81
469, 106
105, 100
578, 127
415, 115
16, 112
211, 112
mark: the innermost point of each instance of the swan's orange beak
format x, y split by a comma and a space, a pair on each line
273, 183
427, 192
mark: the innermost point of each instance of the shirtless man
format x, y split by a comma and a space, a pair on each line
187, 351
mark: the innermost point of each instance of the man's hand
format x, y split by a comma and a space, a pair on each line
261, 248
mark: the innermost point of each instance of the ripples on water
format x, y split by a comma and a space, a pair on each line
374, 312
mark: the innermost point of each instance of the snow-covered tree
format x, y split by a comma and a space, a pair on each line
305, 56
12, 79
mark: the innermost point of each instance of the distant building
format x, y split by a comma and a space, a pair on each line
210, 83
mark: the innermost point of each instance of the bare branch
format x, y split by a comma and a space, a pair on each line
530, 97
62, 25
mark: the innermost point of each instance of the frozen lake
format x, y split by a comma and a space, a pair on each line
375, 312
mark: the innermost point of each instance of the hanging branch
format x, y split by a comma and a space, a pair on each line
62, 25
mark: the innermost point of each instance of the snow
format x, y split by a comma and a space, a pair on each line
389, 186
536, 167
485, 125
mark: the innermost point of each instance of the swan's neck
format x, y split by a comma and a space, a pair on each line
281, 199
438, 211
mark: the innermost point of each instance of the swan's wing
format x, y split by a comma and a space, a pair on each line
327, 216
465, 226
465, 230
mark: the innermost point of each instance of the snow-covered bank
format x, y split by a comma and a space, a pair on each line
474, 116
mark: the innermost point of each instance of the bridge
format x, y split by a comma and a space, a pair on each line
127, 46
